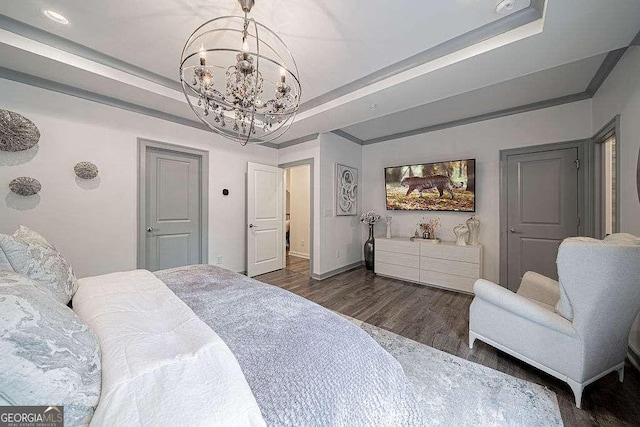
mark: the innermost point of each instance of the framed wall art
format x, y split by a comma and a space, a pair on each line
346, 190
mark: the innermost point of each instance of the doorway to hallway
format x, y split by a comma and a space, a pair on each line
298, 217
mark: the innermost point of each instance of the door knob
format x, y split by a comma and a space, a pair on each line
150, 229
513, 230
253, 226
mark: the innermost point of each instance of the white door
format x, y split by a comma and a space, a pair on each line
265, 219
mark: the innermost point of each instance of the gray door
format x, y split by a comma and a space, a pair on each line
173, 207
542, 210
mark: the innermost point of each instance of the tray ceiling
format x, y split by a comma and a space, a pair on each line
418, 63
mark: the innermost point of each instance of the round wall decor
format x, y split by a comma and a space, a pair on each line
17, 133
86, 170
25, 186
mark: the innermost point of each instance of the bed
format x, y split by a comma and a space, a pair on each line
201, 345
196, 345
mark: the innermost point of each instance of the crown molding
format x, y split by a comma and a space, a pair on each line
607, 66
297, 141
53, 40
636, 40
503, 25
28, 79
482, 117
347, 135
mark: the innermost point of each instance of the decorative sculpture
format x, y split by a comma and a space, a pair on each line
461, 231
25, 186
473, 224
86, 170
17, 133
429, 228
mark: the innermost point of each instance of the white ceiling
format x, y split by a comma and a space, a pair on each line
336, 42
553, 83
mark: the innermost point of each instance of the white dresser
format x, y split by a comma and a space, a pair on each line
444, 265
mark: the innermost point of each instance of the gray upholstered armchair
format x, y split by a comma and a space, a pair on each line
576, 330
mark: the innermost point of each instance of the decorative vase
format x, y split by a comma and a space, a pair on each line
473, 224
462, 232
388, 221
368, 249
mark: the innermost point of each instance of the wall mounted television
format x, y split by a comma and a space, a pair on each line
442, 186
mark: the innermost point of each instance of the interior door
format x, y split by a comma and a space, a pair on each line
265, 216
173, 199
542, 210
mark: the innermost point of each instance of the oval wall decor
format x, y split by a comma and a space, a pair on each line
17, 133
86, 170
25, 186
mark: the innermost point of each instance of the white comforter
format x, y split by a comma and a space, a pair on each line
161, 365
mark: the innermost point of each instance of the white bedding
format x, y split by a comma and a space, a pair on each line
161, 364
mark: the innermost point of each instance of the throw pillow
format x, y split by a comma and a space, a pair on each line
30, 254
49, 356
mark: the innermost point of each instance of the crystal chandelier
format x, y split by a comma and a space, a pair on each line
240, 78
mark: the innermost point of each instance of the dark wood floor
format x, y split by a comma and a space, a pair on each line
440, 319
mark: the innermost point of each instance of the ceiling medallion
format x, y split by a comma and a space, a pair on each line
240, 78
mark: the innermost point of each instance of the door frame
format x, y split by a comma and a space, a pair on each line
584, 201
203, 156
612, 126
283, 166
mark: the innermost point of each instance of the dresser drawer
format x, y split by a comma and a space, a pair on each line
406, 273
398, 259
451, 252
449, 281
399, 246
458, 268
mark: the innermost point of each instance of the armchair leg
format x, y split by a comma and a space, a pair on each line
621, 374
577, 392
472, 338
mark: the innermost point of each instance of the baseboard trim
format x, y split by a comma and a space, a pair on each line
634, 357
298, 254
337, 271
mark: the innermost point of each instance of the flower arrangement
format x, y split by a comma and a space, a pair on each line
369, 218
429, 227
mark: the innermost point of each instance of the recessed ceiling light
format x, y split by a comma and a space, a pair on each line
56, 17
505, 6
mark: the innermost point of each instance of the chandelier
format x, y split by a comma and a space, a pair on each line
240, 78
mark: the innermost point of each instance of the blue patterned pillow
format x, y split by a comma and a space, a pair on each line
49, 356
30, 254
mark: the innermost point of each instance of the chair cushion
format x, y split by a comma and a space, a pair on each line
563, 307
540, 289
49, 356
543, 305
30, 254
